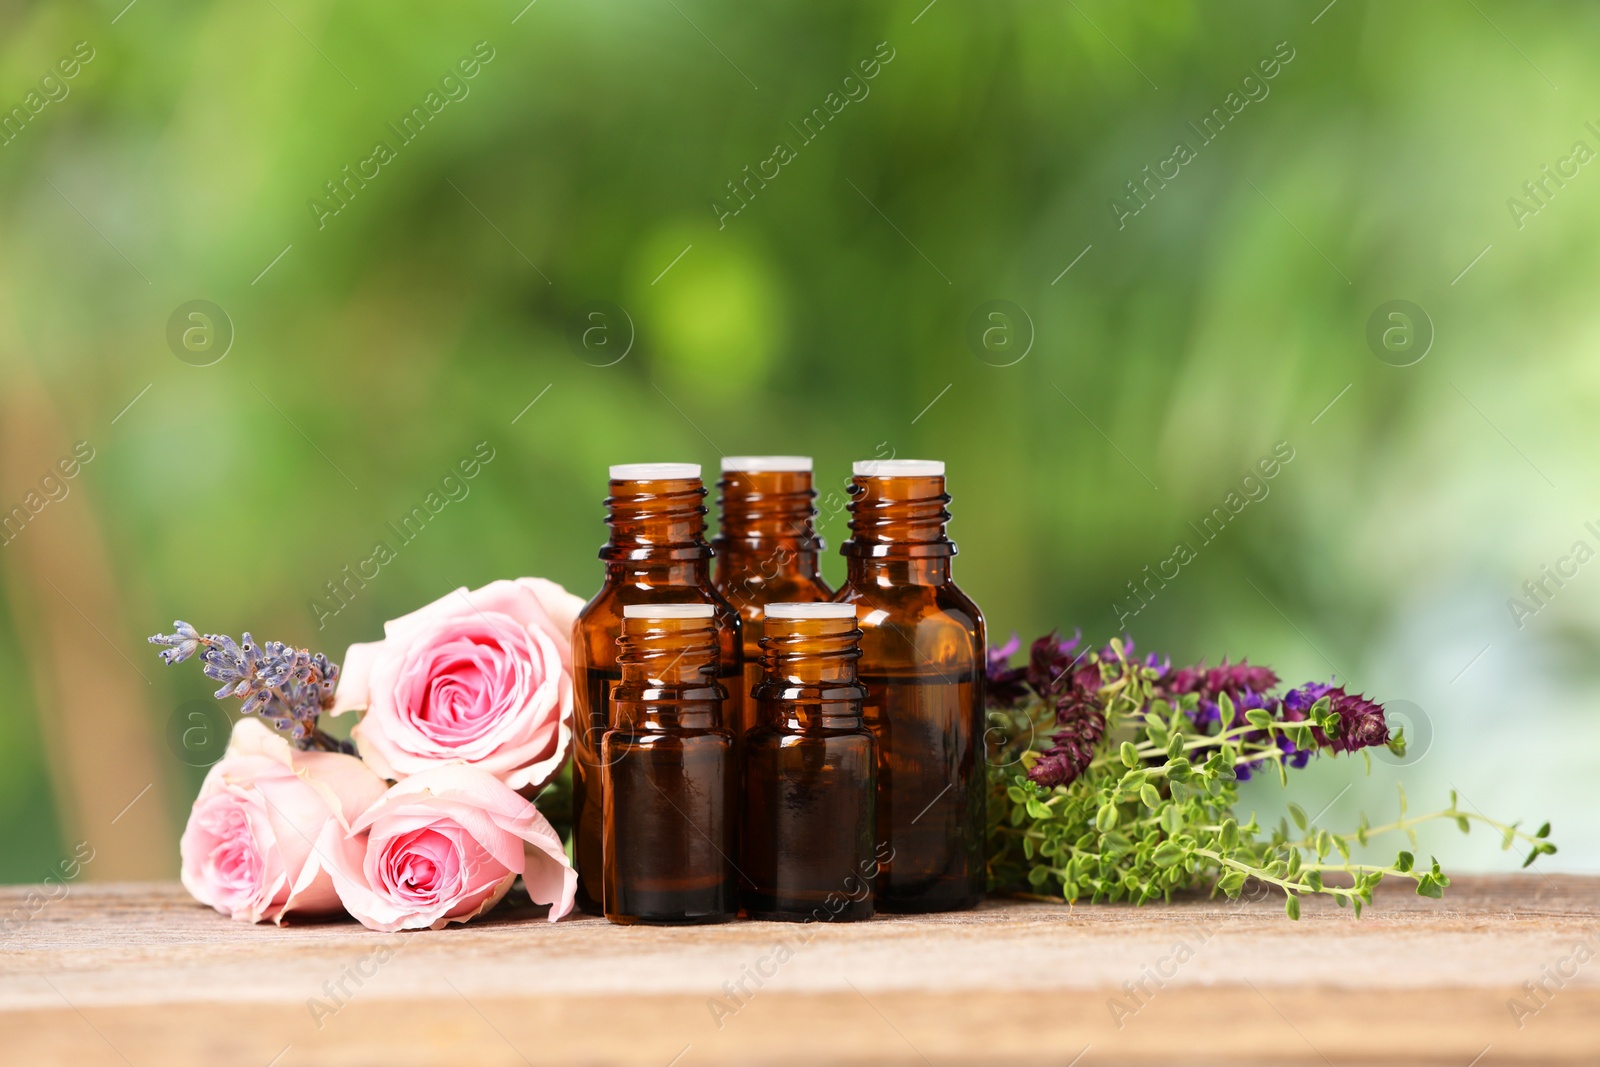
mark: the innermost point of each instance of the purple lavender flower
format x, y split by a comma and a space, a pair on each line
1006, 685
1049, 659
1361, 721
1083, 723
1233, 679
288, 686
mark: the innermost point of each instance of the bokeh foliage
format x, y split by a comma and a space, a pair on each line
824, 318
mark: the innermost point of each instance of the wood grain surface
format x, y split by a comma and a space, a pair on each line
138, 974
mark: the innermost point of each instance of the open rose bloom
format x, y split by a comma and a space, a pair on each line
444, 846
253, 848
483, 677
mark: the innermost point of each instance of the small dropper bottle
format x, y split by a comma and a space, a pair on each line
667, 768
810, 773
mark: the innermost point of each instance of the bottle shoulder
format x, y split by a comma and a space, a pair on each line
748, 593
917, 627
604, 609
918, 602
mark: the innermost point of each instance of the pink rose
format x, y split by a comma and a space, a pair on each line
443, 846
482, 677
248, 849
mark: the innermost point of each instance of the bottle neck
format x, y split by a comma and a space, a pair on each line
810, 651
898, 518
656, 522
669, 669
765, 510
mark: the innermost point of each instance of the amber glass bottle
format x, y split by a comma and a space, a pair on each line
767, 549
657, 553
810, 772
922, 655
667, 766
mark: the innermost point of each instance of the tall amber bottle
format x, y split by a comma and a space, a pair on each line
767, 549
657, 553
810, 773
922, 656
667, 764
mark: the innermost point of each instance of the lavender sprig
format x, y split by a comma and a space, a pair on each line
289, 687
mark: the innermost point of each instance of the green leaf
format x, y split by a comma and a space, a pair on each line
1230, 836
1037, 876
1543, 831
1404, 862
1463, 824
1258, 718
1130, 755
1178, 768
1292, 906
1314, 880
1298, 814
1167, 854
1175, 746
1150, 796
1397, 745
1428, 886
1106, 818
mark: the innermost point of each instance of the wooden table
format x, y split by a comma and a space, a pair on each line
138, 974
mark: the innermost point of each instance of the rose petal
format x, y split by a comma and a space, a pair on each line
444, 845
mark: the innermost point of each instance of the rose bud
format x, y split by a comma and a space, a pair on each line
444, 846
248, 848
483, 677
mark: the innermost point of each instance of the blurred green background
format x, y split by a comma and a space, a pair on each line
572, 184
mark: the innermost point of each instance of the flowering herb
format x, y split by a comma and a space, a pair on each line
1121, 776
289, 687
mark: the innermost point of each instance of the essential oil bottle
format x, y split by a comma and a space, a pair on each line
810, 773
922, 657
667, 767
767, 549
657, 553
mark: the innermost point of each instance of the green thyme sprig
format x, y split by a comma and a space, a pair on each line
1152, 812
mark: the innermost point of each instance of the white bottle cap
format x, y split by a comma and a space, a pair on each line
666, 611
810, 611
654, 472
898, 468
757, 464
